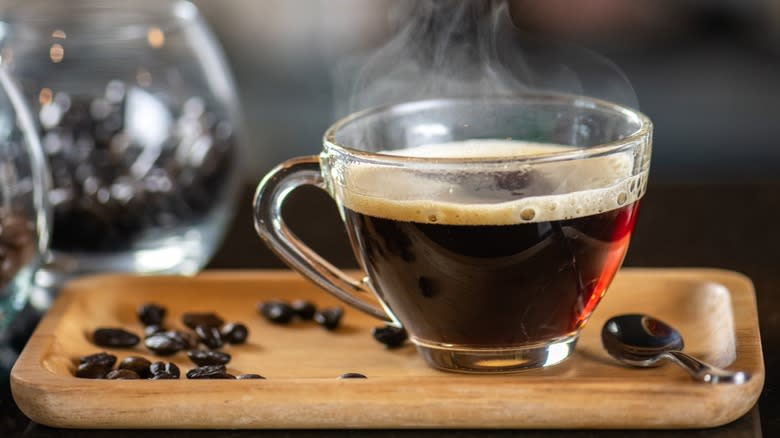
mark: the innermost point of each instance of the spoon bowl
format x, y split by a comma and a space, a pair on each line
643, 341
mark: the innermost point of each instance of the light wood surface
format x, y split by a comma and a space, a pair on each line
715, 310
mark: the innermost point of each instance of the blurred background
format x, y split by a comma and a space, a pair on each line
707, 73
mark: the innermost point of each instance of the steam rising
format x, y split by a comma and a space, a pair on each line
470, 49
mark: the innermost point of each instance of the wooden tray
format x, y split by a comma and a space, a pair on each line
715, 310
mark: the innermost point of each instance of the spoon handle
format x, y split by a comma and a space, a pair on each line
705, 372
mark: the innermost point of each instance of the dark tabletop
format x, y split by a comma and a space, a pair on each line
726, 226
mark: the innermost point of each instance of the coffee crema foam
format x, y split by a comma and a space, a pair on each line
580, 187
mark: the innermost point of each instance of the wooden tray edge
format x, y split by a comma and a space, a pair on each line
31, 386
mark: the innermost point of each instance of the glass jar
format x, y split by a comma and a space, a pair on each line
24, 216
138, 118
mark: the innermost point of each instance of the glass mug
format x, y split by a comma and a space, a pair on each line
488, 228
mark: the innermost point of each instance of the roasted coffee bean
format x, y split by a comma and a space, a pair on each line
304, 309
391, 336
17, 243
208, 372
165, 368
94, 161
208, 357
352, 376
114, 337
103, 359
210, 336
329, 318
150, 330
92, 371
234, 333
193, 320
172, 369
277, 312
164, 376
162, 344
122, 374
190, 340
151, 314
249, 376
139, 365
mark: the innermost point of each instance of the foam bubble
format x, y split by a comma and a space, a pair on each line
474, 196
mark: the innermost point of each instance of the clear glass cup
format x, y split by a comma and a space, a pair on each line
488, 228
24, 213
139, 121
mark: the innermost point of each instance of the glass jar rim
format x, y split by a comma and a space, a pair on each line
30, 26
602, 149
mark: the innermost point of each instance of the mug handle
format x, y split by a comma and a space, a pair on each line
270, 226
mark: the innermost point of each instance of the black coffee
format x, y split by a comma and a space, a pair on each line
492, 285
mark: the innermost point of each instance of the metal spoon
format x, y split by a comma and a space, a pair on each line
642, 341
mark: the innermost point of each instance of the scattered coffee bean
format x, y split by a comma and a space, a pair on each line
139, 365
169, 368
150, 330
193, 320
103, 359
114, 337
209, 372
92, 371
210, 336
151, 314
162, 344
190, 340
164, 376
304, 309
391, 336
234, 333
249, 376
329, 318
277, 312
122, 374
352, 376
208, 357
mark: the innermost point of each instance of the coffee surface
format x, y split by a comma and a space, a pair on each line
503, 191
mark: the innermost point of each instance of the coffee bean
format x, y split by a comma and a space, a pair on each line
139, 365
17, 243
352, 376
234, 333
114, 337
103, 359
164, 376
92, 371
208, 357
122, 374
277, 312
249, 376
150, 330
208, 372
151, 314
186, 338
193, 320
304, 309
329, 318
210, 336
95, 163
169, 368
391, 336
172, 369
162, 344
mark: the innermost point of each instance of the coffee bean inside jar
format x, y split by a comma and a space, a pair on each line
17, 245
129, 164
